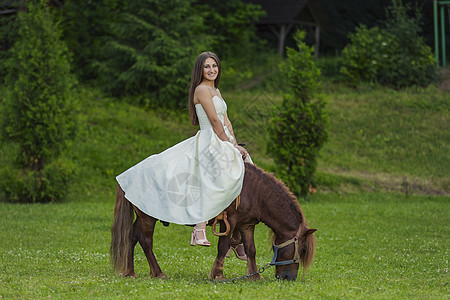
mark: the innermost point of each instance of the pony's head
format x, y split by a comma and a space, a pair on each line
305, 248
296, 242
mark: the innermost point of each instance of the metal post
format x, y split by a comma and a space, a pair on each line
317, 46
436, 34
282, 39
443, 36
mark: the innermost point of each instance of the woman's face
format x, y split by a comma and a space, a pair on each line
210, 69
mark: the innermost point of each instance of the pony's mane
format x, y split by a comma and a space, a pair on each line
278, 185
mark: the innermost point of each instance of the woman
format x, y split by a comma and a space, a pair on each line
193, 181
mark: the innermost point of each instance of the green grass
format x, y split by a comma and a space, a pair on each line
369, 246
396, 134
379, 139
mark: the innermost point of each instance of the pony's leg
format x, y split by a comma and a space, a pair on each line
250, 249
236, 237
216, 272
146, 226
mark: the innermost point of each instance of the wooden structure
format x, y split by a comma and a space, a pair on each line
284, 15
9, 7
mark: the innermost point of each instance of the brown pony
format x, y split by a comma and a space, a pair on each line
263, 199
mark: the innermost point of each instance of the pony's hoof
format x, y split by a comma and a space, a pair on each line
220, 278
216, 277
129, 274
160, 275
255, 277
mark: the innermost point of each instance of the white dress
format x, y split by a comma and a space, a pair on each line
190, 182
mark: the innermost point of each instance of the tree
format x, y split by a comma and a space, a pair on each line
152, 49
38, 112
8, 31
85, 26
231, 23
298, 129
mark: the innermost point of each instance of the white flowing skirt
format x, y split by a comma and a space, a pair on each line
188, 183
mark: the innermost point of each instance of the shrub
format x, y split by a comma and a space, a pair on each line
368, 54
298, 128
27, 185
414, 63
395, 56
38, 111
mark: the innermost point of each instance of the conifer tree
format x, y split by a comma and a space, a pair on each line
38, 113
152, 49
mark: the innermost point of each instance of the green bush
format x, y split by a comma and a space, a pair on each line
396, 56
368, 55
38, 110
298, 128
28, 185
414, 63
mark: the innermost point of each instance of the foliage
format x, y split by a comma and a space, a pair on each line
396, 56
28, 185
86, 25
38, 110
152, 49
146, 49
342, 17
415, 64
231, 25
298, 128
330, 67
8, 32
368, 55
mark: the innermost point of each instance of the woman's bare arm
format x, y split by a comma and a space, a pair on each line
227, 123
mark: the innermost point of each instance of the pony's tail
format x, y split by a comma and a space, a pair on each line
121, 233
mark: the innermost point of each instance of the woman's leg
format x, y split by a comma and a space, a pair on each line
199, 235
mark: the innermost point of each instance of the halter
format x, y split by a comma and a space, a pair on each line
296, 258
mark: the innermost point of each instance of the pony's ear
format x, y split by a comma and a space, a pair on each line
310, 231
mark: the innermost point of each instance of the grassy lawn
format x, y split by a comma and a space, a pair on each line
369, 246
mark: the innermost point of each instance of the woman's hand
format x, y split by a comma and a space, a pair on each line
242, 150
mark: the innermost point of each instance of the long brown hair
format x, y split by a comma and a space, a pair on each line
197, 77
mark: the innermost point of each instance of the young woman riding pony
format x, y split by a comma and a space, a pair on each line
196, 179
